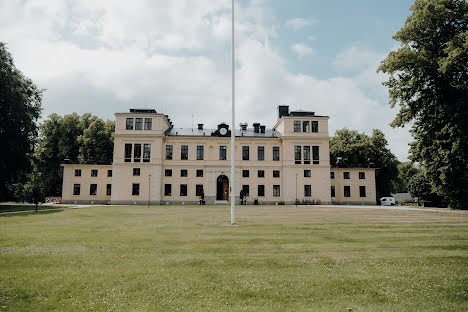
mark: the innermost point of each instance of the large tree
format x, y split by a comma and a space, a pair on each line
406, 170
429, 81
20, 107
349, 148
84, 139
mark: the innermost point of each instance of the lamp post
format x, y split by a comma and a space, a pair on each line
149, 189
296, 189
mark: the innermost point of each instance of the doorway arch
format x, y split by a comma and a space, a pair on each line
222, 188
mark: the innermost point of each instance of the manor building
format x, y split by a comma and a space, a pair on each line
157, 163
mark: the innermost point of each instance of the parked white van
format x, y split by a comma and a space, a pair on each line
387, 201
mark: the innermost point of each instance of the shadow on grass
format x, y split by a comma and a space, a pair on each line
32, 212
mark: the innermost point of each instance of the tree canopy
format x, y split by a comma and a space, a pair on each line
428, 80
20, 107
349, 148
79, 139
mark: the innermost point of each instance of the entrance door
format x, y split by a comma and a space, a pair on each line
222, 188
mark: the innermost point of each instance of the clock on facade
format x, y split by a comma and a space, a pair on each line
223, 131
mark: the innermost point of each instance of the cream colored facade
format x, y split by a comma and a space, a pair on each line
295, 164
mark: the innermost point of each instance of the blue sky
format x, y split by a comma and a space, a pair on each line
109, 55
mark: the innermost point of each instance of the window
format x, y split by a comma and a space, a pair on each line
92, 189
347, 191
146, 152
245, 190
129, 124
148, 123
276, 190
307, 190
222, 153
362, 175
168, 172
200, 152
306, 155
245, 173
109, 189
260, 153
332, 191
168, 152
245, 153
297, 126
332, 175
76, 189
276, 174
109, 173
77, 172
183, 173
183, 190
307, 173
199, 173
276, 154
315, 154
167, 189
136, 172
135, 189
297, 154
184, 152
305, 126
128, 153
362, 191
314, 126
138, 123
94, 173
346, 175
199, 190
261, 173
261, 190
137, 153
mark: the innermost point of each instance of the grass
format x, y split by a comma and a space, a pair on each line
279, 258
10, 207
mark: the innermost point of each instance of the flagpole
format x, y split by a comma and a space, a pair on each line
233, 130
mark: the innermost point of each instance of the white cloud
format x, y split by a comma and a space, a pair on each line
302, 49
299, 23
106, 56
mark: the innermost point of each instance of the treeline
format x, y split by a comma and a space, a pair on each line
85, 139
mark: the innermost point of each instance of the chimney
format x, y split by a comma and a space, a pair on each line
200, 126
243, 126
262, 129
283, 110
256, 126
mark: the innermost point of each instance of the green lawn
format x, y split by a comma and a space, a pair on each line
279, 258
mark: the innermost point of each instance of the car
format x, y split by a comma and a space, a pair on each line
387, 201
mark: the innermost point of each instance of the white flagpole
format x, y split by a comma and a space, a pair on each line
233, 134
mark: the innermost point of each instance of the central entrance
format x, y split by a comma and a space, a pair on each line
222, 188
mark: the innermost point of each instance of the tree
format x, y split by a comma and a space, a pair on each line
20, 107
97, 144
406, 170
349, 148
429, 81
419, 187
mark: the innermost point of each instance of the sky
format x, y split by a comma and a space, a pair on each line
106, 56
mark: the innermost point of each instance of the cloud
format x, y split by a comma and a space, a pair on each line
299, 23
107, 56
302, 50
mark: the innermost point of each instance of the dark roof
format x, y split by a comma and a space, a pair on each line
301, 113
207, 133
